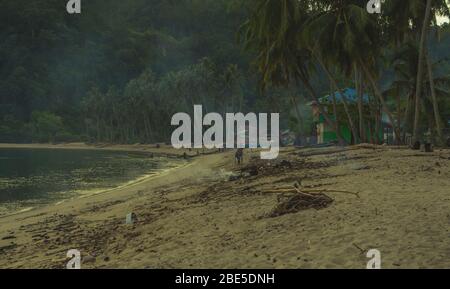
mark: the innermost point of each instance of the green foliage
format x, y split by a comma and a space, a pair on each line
46, 127
142, 112
84, 68
292, 38
121, 69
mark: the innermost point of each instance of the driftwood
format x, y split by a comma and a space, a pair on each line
359, 248
335, 150
332, 191
323, 152
300, 201
309, 192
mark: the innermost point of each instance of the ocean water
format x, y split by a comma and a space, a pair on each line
35, 177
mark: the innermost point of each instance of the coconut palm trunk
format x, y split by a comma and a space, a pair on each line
423, 38
299, 116
437, 117
344, 99
359, 91
337, 126
381, 99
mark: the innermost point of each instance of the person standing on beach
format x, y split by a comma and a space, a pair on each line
239, 156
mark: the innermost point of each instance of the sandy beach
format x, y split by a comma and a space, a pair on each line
212, 213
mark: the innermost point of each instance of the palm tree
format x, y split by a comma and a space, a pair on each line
292, 37
407, 22
345, 35
404, 62
273, 32
360, 91
437, 117
423, 38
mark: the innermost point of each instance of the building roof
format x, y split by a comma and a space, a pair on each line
349, 93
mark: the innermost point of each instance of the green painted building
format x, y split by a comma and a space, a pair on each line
326, 134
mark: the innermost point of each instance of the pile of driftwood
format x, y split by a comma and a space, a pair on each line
294, 199
300, 202
272, 168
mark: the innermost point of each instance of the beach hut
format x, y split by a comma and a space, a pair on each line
324, 134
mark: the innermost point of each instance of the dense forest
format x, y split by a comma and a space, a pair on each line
118, 71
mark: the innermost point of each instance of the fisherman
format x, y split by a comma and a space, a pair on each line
239, 156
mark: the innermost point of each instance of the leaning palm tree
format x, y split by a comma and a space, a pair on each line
272, 32
423, 38
406, 21
437, 116
404, 63
344, 35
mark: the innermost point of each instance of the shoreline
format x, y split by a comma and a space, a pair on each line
99, 191
209, 214
17, 220
163, 150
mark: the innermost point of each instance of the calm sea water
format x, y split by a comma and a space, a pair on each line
33, 177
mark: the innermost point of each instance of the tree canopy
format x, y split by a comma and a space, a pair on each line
118, 71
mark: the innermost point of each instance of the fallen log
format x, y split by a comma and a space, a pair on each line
309, 192
332, 191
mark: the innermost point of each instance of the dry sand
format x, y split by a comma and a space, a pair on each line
195, 217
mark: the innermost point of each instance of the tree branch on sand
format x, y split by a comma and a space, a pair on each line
308, 192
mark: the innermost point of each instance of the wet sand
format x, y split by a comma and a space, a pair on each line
212, 213
162, 150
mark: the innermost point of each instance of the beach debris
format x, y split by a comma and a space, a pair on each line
426, 147
416, 146
233, 178
5, 248
425, 168
299, 202
253, 171
359, 167
249, 171
284, 164
272, 168
359, 248
294, 199
88, 259
9, 237
228, 175
130, 218
333, 191
298, 183
296, 189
